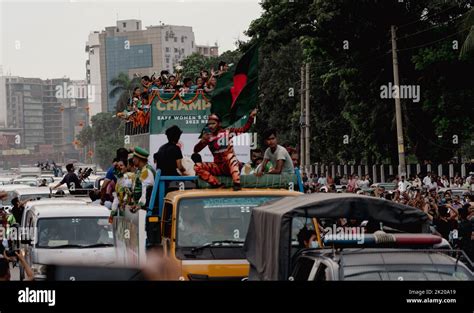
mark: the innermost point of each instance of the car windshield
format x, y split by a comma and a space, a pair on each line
213, 219
411, 272
71, 231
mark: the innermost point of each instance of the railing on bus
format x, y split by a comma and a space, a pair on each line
160, 184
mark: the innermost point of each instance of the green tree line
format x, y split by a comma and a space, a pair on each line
348, 45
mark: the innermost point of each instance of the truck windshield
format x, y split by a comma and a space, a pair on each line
216, 219
74, 232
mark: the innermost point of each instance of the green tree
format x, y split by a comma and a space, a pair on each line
106, 135
123, 86
467, 25
348, 46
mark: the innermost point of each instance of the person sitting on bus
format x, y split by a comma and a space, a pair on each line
219, 141
276, 154
256, 159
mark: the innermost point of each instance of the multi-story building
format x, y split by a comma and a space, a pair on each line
46, 114
93, 74
24, 107
208, 51
127, 48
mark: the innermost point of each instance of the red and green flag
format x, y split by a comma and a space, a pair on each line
236, 92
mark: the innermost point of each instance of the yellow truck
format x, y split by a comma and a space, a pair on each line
202, 230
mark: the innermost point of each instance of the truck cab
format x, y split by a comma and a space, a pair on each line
201, 230
204, 230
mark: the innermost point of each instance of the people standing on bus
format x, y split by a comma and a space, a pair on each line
219, 141
169, 157
144, 179
123, 194
111, 176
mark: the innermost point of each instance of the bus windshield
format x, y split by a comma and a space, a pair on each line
216, 219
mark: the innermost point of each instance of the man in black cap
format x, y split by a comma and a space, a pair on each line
169, 157
144, 179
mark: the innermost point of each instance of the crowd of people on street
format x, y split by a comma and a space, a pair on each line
447, 201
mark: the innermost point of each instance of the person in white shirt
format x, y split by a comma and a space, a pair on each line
403, 185
427, 180
322, 180
417, 181
445, 181
364, 182
433, 185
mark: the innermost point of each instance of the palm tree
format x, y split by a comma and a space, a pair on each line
123, 86
468, 23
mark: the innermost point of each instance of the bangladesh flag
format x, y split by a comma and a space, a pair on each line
236, 91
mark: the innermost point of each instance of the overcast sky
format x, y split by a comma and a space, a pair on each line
46, 39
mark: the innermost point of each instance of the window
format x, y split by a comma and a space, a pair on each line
167, 60
167, 49
182, 39
138, 25
175, 39
182, 50
124, 24
175, 50
192, 44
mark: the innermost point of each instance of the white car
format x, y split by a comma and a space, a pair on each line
33, 193
6, 181
28, 181
69, 234
9, 189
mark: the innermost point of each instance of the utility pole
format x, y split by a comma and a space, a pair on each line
307, 125
302, 121
398, 109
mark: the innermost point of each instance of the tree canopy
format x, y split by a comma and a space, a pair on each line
348, 45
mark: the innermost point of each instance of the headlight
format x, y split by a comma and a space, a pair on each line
39, 269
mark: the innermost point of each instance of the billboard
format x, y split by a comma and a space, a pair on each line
189, 112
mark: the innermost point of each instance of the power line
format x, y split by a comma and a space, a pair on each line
425, 16
427, 29
435, 41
